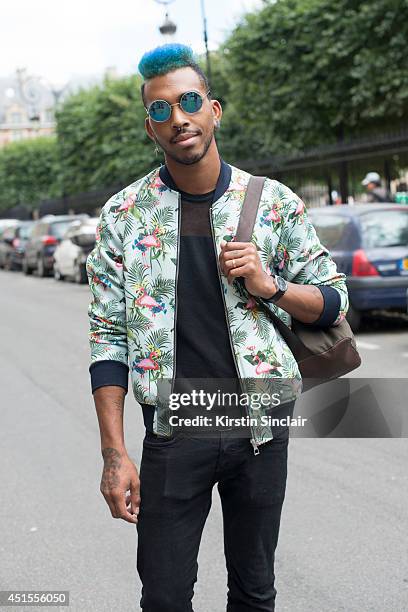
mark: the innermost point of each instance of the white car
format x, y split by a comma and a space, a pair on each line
70, 255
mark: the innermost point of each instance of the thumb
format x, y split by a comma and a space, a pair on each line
223, 243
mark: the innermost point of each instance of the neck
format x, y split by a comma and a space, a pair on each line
197, 178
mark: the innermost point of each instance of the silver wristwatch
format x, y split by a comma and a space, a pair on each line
281, 286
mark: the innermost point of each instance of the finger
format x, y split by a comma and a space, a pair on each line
234, 254
238, 260
241, 271
120, 510
135, 498
237, 246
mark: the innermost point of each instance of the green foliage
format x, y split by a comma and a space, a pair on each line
102, 137
295, 74
305, 72
29, 172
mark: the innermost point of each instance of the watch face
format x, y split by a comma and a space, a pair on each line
282, 284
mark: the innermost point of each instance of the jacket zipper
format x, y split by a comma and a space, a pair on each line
175, 295
253, 442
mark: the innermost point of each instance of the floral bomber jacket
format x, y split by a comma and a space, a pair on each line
132, 273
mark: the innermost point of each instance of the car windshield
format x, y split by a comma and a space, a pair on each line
58, 228
330, 228
24, 231
384, 228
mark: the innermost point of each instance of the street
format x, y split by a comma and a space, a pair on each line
343, 538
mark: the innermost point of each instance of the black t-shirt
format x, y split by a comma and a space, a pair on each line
203, 348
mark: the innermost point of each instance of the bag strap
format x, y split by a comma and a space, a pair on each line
249, 209
244, 232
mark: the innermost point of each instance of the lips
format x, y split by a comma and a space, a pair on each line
185, 136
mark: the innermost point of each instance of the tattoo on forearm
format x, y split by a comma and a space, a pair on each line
112, 463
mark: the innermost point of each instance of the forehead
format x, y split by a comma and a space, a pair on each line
172, 85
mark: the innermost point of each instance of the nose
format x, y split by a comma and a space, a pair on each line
179, 119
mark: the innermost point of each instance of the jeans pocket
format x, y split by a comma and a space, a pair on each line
152, 440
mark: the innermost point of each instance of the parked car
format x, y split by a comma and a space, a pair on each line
46, 234
12, 245
70, 255
369, 243
5, 224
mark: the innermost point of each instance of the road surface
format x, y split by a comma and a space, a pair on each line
343, 539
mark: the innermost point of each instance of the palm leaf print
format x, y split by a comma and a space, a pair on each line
263, 326
145, 203
166, 360
267, 252
163, 217
109, 311
130, 230
158, 338
162, 287
292, 243
139, 391
137, 273
169, 239
98, 350
137, 322
239, 337
289, 369
117, 356
232, 317
220, 219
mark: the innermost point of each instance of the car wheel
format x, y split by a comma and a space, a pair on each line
80, 276
26, 268
7, 263
41, 271
57, 274
354, 318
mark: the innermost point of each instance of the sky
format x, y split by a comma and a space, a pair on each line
61, 39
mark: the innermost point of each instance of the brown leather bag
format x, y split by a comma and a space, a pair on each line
322, 354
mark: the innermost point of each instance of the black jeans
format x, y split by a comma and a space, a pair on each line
177, 476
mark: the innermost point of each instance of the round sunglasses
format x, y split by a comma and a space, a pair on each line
190, 102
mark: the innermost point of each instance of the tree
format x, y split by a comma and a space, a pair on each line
102, 138
29, 172
305, 72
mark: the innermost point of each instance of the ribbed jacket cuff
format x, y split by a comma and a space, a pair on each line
108, 372
331, 309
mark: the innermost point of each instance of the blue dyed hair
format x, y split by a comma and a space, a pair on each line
166, 58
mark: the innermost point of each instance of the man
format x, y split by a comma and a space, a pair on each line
375, 192
167, 302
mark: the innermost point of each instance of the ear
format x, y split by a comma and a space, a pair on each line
149, 130
217, 113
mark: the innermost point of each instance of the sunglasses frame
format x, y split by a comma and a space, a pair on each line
177, 104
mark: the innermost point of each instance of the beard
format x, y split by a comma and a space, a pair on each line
188, 159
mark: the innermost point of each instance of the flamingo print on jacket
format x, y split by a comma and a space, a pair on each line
263, 367
148, 241
146, 364
147, 301
268, 217
259, 359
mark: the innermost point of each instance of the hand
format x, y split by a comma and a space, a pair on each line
119, 476
242, 259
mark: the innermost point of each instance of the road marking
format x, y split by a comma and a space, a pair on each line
367, 345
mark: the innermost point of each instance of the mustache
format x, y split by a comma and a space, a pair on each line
181, 132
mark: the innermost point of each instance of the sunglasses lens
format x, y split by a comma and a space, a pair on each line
191, 102
160, 110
